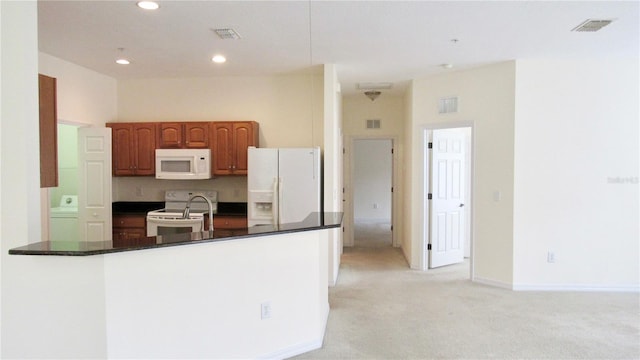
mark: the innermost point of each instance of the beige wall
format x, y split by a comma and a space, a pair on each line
39, 318
390, 109
287, 107
576, 174
84, 96
486, 100
332, 162
409, 217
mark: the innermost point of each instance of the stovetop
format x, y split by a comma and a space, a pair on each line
177, 214
176, 201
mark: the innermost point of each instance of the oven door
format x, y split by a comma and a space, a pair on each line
157, 225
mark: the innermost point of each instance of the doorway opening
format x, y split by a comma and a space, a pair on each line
372, 184
448, 208
63, 199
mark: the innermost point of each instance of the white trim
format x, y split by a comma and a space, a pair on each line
491, 282
558, 287
426, 130
301, 348
576, 287
348, 220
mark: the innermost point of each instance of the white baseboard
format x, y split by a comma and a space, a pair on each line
558, 287
301, 348
576, 287
372, 221
491, 282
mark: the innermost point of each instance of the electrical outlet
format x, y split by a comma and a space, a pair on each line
265, 310
139, 191
551, 257
375, 206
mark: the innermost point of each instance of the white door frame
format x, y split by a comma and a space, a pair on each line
424, 174
348, 187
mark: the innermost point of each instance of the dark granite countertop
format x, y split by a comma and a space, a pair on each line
143, 207
232, 209
135, 207
315, 221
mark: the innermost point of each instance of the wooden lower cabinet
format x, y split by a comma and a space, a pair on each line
130, 230
229, 222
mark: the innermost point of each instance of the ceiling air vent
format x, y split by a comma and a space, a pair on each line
448, 105
375, 86
227, 34
373, 124
592, 25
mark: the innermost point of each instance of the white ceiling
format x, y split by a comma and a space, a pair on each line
370, 41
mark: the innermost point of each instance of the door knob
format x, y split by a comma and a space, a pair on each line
461, 205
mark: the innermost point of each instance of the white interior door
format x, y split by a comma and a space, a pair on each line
447, 223
94, 183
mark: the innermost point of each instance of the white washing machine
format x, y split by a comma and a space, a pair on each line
63, 225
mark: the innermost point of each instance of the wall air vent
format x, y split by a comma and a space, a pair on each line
592, 25
373, 124
227, 34
448, 105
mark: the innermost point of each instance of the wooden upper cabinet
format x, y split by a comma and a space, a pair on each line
244, 135
196, 135
191, 135
144, 145
48, 131
134, 146
221, 154
169, 135
230, 143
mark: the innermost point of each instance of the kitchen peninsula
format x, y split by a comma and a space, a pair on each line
258, 292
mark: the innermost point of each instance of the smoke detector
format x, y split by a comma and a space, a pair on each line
591, 25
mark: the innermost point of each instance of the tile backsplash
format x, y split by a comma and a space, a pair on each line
143, 188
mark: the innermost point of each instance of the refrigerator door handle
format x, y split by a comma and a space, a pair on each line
275, 202
279, 207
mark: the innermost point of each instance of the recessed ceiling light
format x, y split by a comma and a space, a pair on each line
148, 5
218, 59
123, 61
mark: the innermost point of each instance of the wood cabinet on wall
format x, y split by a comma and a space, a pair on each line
130, 230
229, 222
48, 131
188, 135
134, 146
230, 143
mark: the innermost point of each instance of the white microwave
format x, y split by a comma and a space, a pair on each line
183, 164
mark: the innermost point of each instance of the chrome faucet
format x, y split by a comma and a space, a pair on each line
185, 213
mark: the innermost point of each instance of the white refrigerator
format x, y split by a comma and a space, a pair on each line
283, 185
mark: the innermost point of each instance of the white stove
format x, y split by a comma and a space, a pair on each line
170, 219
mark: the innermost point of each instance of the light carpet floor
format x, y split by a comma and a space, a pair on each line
380, 309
